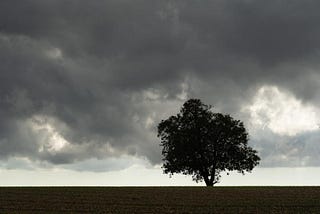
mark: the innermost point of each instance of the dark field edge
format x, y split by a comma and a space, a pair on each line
214, 187
160, 199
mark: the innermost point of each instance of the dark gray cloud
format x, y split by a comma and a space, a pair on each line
103, 73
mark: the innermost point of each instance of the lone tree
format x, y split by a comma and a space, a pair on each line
201, 143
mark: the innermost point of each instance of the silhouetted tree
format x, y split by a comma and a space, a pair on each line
201, 143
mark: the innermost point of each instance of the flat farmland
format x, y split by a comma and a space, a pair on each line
159, 200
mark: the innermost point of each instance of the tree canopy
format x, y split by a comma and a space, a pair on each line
201, 143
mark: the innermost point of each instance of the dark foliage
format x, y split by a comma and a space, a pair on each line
201, 143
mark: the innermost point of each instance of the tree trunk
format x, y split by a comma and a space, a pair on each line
209, 184
213, 177
208, 181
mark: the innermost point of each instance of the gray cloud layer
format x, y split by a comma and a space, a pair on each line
103, 73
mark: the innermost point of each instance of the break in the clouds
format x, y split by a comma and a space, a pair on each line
89, 80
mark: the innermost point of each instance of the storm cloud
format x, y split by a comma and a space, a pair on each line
83, 80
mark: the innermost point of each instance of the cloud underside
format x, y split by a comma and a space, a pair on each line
83, 80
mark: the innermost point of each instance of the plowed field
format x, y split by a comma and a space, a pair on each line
159, 200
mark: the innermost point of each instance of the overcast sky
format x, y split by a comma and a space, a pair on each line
83, 84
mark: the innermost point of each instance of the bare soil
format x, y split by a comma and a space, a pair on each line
159, 200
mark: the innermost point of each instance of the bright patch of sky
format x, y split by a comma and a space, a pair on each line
54, 141
54, 53
281, 112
